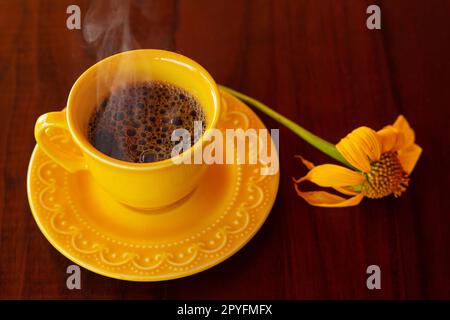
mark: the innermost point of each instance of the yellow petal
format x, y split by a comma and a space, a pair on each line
328, 200
388, 137
408, 157
331, 175
346, 191
359, 147
406, 134
308, 164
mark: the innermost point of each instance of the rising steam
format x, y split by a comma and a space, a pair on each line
106, 27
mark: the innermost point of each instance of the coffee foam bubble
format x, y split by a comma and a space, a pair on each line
135, 122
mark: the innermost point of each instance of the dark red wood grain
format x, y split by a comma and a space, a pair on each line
314, 61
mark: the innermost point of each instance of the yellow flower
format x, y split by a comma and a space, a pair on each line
383, 161
380, 162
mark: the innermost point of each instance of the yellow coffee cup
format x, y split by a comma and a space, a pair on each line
140, 185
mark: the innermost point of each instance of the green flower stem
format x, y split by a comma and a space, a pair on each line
317, 142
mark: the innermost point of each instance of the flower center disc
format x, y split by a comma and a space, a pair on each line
386, 176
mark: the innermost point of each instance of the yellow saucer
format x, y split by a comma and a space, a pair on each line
88, 227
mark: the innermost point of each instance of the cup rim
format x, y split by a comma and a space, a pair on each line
167, 55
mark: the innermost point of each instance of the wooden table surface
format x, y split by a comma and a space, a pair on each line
312, 60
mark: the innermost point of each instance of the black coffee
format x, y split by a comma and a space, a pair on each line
135, 123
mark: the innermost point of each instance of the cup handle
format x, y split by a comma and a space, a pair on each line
57, 144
